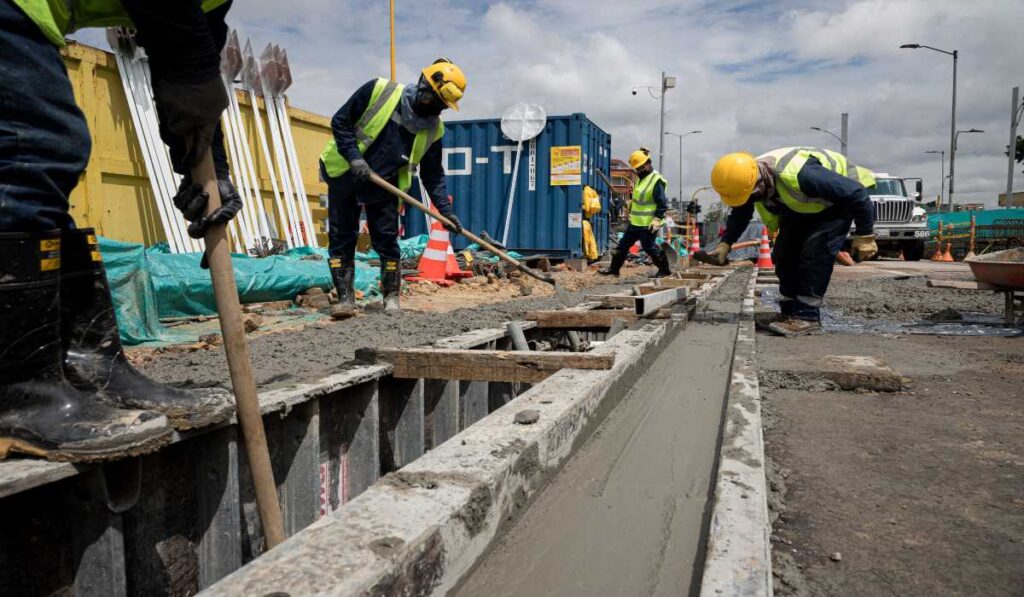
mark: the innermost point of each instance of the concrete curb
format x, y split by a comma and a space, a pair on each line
419, 530
738, 560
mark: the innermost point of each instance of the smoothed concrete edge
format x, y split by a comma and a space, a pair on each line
738, 559
419, 530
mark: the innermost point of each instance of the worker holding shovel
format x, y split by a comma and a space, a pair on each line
391, 130
67, 392
811, 196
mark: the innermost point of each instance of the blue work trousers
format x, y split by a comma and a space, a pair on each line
346, 199
44, 141
648, 241
804, 255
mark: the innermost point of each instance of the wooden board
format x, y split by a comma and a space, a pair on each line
614, 301
961, 285
595, 318
682, 283
485, 365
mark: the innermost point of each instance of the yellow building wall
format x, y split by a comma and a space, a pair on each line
114, 194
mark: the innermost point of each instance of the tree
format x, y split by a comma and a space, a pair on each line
716, 213
1018, 155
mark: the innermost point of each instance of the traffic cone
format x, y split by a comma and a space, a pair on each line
433, 264
947, 256
695, 240
764, 255
938, 252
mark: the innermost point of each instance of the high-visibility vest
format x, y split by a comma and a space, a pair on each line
383, 105
788, 163
56, 18
642, 207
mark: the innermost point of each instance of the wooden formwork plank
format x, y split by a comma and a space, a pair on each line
594, 318
486, 365
299, 481
218, 505
441, 411
402, 422
97, 540
613, 301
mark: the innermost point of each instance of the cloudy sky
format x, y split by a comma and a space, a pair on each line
751, 75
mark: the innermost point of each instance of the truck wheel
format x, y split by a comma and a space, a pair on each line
913, 250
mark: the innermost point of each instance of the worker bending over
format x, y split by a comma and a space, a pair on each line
646, 211
810, 196
67, 392
392, 130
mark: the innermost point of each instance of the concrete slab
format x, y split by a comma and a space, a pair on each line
833, 372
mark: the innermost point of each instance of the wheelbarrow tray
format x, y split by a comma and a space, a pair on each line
1002, 268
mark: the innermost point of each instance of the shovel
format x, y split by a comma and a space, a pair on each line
561, 293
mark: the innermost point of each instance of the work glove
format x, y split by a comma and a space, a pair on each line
655, 225
864, 247
192, 199
360, 170
721, 253
456, 226
191, 111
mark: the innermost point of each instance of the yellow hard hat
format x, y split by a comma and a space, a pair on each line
447, 80
734, 177
639, 158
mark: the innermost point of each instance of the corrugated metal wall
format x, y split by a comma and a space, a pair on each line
546, 218
114, 194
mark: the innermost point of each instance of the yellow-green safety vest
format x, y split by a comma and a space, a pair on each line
642, 207
57, 18
788, 163
383, 104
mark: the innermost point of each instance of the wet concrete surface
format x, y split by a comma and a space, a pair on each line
628, 514
322, 349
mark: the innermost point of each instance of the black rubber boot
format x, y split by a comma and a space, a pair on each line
618, 258
344, 278
41, 414
391, 284
93, 357
664, 268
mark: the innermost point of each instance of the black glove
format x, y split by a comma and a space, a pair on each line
456, 226
192, 199
360, 170
191, 111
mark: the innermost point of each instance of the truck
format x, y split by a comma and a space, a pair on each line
900, 224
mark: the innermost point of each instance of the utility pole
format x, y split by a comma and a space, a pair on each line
952, 134
393, 75
843, 134
666, 84
1011, 149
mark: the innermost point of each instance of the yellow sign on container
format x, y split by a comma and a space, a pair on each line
566, 165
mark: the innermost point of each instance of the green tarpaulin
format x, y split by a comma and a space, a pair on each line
149, 284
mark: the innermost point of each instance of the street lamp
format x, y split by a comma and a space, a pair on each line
842, 143
942, 180
666, 84
952, 124
957, 137
680, 136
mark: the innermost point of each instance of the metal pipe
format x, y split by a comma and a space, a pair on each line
511, 194
952, 135
515, 333
661, 131
844, 132
1011, 149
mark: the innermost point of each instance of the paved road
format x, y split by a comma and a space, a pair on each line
627, 514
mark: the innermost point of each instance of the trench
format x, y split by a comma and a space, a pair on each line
628, 514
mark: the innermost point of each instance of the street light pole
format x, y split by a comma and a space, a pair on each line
680, 136
835, 136
956, 138
1011, 149
952, 125
844, 132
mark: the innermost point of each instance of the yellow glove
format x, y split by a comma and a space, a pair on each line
864, 247
655, 225
721, 253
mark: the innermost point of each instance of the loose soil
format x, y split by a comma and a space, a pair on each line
312, 351
913, 493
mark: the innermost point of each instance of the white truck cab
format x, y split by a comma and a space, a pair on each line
900, 224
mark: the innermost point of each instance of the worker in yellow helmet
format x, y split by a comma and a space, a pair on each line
646, 211
392, 130
811, 196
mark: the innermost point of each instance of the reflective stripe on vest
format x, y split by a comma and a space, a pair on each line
642, 207
767, 218
57, 18
790, 160
383, 107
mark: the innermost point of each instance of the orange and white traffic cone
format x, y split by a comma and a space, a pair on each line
948, 256
433, 264
695, 240
452, 269
764, 255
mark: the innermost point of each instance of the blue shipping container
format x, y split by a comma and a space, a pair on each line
547, 207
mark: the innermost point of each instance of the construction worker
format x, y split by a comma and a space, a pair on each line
810, 196
66, 390
646, 211
389, 129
